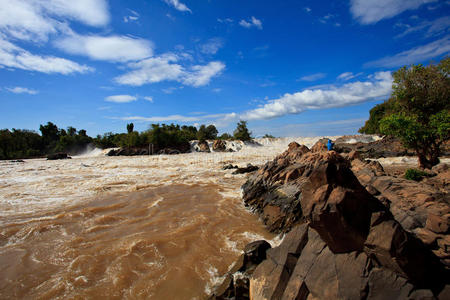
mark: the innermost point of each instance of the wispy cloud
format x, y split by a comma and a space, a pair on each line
21, 90
431, 28
372, 11
414, 55
132, 17
13, 56
212, 46
348, 75
312, 77
178, 5
121, 98
375, 88
148, 98
252, 22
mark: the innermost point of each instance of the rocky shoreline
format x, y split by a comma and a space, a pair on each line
352, 230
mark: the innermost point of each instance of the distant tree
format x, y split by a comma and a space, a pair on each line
226, 136
211, 132
422, 114
241, 132
50, 132
130, 127
268, 136
201, 133
82, 132
71, 131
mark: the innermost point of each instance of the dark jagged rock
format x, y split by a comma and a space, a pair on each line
386, 147
59, 155
149, 150
351, 237
237, 287
248, 169
229, 167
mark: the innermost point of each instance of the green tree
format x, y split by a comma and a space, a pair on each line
378, 112
130, 127
211, 132
421, 117
241, 132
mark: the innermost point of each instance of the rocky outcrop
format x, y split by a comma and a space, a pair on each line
203, 146
149, 150
386, 147
59, 155
248, 169
351, 234
219, 146
236, 282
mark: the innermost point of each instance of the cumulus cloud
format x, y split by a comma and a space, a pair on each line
13, 56
313, 77
121, 98
178, 5
212, 46
217, 119
109, 48
166, 68
35, 20
21, 90
253, 22
372, 11
376, 87
415, 55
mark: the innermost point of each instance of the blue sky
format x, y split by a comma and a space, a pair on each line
290, 68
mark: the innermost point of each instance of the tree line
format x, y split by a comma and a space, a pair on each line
18, 143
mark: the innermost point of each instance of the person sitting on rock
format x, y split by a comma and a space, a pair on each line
330, 145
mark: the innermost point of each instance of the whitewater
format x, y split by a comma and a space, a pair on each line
140, 227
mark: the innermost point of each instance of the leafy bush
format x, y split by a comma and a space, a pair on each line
416, 175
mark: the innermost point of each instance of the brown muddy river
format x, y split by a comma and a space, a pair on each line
163, 243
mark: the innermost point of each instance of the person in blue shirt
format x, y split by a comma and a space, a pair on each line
330, 145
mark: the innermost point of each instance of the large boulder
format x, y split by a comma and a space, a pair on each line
219, 146
56, 156
203, 146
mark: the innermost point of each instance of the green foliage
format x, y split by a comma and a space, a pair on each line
207, 133
372, 126
225, 136
416, 175
419, 110
269, 136
242, 133
130, 127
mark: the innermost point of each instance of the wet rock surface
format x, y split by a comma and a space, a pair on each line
352, 232
59, 155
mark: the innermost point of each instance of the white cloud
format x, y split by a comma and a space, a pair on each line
217, 119
15, 57
212, 46
347, 76
166, 68
35, 20
377, 87
178, 5
435, 27
372, 11
313, 77
22, 90
226, 20
133, 17
307, 9
253, 22
110, 48
149, 99
121, 98
415, 55
201, 75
